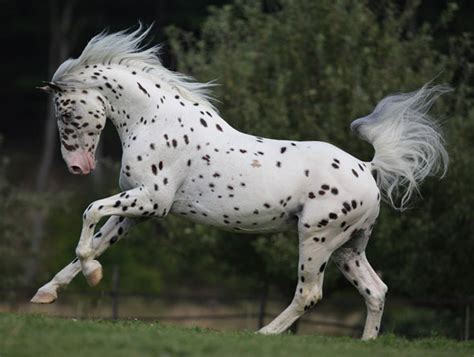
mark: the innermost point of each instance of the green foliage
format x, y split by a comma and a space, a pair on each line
23, 335
304, 70
422, 322
11, 232
17, 209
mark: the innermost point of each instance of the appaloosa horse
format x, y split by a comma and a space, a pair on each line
181, 157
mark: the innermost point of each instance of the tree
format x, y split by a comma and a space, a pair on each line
305, 69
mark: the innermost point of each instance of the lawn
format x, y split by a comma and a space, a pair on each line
37, 335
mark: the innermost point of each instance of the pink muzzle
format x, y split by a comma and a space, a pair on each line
80, 163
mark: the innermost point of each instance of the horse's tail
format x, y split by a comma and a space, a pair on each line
408, 144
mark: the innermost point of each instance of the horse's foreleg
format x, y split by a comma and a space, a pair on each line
133, 203
115, 225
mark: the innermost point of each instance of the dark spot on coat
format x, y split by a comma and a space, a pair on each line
347, 206
142, 89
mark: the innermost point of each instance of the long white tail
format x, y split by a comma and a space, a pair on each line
408, 144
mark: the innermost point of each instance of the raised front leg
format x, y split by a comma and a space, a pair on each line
133, 203
114, 227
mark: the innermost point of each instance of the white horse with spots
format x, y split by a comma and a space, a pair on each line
181, 157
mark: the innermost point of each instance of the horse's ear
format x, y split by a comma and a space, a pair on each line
50, 87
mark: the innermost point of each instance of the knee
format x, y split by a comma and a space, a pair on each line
84, 253
305, 299
92, 212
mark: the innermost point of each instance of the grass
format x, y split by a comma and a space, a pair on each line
28, 335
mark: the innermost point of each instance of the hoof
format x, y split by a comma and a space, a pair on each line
369, 338
43, 297
94, 277
265, 331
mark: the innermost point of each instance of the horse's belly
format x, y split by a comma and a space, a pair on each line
238, 218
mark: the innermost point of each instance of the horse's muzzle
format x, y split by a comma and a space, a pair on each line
80, 163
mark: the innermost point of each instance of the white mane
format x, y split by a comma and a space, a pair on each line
125, 48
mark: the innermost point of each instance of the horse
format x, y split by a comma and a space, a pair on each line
180, 157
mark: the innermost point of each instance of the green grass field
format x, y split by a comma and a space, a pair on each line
28, 335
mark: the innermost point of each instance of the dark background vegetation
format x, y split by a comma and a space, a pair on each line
287, 69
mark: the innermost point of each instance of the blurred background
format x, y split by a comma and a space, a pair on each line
292, 69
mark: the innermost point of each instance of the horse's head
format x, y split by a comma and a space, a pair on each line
81, 116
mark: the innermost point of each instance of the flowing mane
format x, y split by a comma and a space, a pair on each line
125, 48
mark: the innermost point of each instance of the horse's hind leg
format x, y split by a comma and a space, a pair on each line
352, 262
115, 226
315, 248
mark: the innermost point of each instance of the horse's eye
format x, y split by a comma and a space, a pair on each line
66, 116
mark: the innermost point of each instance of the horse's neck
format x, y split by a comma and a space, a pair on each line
127, 104
138, 100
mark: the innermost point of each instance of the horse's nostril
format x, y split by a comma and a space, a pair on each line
76, 169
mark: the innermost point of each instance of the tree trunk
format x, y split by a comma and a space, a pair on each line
263, 304
59, 50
